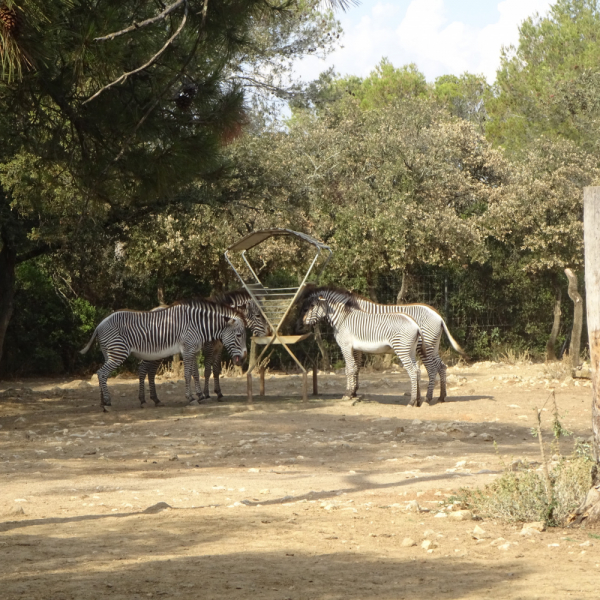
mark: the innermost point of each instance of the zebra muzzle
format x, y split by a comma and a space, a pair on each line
239, 360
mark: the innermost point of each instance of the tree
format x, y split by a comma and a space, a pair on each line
110, 114
539, 212
548, 84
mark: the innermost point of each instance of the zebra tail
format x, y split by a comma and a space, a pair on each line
454, 343
89, 344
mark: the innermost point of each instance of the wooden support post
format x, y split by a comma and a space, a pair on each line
249, 387
304, 386
315, 382
589, 511
591, 234
262, 381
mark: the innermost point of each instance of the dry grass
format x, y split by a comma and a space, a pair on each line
521, 496
558, 369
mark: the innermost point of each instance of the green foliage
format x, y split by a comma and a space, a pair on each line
548, 84
521, 496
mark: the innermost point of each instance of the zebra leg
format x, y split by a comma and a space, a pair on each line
358, 357
189, 358
216, 367
351, 373
431, 366
196, 376
142, 371
412, 368
207, 351
442, 371
113, 360
152, 368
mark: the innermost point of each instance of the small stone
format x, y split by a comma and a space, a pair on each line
461, 515
486, 437
588, 543
414, 506
428, 545
535, 526
504, 546
408, 543
480, 534
174, 457
441, 515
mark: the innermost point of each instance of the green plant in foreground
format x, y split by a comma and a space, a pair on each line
549, 494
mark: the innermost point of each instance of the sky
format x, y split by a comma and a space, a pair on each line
441, 36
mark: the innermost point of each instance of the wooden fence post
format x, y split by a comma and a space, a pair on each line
589, 511
591, 237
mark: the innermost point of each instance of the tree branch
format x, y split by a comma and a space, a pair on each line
33, 253
148, 63
135, 26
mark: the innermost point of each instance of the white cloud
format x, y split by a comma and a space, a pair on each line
427, 35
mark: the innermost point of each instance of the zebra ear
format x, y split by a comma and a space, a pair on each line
322, 298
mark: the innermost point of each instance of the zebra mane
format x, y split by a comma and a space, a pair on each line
232, 298
311, 290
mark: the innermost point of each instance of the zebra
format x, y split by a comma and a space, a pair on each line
181, 327
212, 350
432, 325
357, 331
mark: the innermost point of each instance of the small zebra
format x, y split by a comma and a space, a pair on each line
432, 325
182, 327
212, 350
357, 331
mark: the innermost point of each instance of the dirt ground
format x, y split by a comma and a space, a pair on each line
284, 499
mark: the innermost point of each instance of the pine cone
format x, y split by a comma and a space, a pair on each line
185, 96
9, 19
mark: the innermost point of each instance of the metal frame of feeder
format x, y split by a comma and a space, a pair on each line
270, 300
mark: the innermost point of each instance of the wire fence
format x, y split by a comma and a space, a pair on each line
486, 320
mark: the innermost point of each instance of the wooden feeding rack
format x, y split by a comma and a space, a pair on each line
276, 303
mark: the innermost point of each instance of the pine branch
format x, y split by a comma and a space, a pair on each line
135, 26
149, 62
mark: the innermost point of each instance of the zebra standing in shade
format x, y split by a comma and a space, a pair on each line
181, 327
357, 331
432, 325
212, 350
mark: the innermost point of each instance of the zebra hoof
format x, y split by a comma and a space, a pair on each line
158, 403
219, 397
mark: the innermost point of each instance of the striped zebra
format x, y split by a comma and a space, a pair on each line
181, 327
432, 325
357, 331
212, 350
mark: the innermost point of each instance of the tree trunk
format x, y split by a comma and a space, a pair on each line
589, 511
160, 294
401, 297
575, 346
372, 288
551, 344
8, 260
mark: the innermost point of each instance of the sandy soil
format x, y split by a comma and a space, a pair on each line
282, 500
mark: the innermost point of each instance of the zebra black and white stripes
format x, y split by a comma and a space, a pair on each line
212, 350
432, 325
180, 328
357, 331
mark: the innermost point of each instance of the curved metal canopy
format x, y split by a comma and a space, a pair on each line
258, 237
